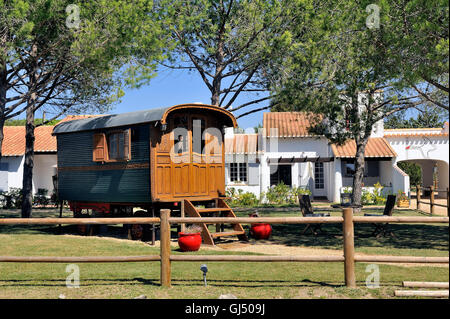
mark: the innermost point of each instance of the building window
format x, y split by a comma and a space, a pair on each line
243, 172
280, 174
348, 168
238, 172
319, 180
371, 168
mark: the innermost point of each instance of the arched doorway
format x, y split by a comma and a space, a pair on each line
432, 172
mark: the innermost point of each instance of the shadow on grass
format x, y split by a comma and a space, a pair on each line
83, 283
408, 236
87, 282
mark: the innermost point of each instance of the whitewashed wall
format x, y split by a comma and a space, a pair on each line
44, 169
420, 148
302, 173
15, 170
400, 180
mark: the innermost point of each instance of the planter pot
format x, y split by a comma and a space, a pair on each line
261, 231
189, 242
403, 203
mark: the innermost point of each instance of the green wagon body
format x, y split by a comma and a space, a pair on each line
82, 179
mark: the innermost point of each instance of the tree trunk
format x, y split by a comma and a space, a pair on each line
2, 101
358, 178
27, 188
215, 94
217, 81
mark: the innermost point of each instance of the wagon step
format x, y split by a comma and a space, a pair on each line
225, 211
230, 233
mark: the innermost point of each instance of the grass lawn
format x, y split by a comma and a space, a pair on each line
244, 280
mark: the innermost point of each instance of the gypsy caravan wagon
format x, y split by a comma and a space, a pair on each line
170, 157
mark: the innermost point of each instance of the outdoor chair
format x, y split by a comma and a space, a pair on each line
383, 228
307, 211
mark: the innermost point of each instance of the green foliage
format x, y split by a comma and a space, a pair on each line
339, 56
282, 194
401, 196
367, 197
13, 122
347, 190
413, 170
12, 198
83, 66
229, 43
279, 194
427, 116
240, 198
378, 196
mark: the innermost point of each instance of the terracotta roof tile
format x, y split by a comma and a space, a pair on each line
289, 124
376, 147
14, 140
78, 117
440, 134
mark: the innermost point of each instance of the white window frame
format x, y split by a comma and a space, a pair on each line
237, 173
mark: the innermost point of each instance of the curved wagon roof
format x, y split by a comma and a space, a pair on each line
138, 117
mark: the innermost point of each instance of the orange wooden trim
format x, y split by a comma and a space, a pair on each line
199, 106
99, 141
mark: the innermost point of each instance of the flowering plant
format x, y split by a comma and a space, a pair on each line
193, 229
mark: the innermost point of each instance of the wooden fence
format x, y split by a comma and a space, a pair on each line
432, 201
349, 258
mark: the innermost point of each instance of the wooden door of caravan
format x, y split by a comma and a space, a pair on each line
215, 159
199, 168
181, 155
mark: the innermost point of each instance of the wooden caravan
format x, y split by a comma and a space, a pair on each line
166, 157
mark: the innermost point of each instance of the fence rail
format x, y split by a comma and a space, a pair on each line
349, 258
432, 202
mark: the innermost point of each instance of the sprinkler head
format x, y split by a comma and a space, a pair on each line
204, 268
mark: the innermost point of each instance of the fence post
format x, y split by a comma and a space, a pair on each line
448, 201
431, 200
349, 248
418, 193
183, 226
165, 248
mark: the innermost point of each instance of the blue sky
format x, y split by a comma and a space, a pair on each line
171, 87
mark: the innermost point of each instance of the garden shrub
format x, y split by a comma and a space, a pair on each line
282, 194
367, 197
279, 194
15, 197
378, 197
241, 198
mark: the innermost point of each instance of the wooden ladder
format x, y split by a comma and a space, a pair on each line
221, 210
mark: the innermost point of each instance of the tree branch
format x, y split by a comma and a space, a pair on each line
428, 98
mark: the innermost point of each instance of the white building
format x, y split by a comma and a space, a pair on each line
13, 156
45, 159
285, 152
